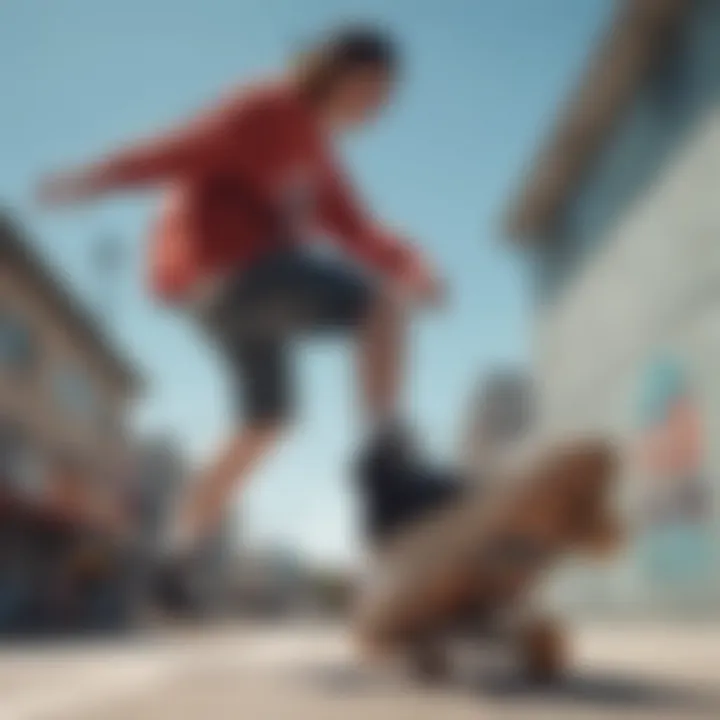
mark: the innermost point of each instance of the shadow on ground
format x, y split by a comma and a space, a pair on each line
608, 691
599, 691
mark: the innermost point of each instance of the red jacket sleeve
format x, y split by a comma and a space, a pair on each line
341, 214
238, 133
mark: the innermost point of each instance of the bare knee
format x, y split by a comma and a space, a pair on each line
259, 434
388, 308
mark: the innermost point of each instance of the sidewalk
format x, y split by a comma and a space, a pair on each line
663, 673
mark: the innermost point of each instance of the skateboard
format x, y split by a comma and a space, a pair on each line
475, 563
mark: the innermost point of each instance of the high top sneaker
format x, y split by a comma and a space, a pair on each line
397, 486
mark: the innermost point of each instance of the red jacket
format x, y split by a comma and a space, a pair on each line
231, 175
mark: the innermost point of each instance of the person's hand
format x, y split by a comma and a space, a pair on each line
62, 189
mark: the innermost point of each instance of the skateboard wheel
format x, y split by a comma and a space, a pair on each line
543, 652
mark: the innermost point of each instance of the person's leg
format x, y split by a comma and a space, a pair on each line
202, 507
336, 298
259, 367
288, 294
381, 356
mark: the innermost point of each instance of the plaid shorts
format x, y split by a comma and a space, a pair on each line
256, 317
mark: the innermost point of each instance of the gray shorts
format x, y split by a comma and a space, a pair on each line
256, 318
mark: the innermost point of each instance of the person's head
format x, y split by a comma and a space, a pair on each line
349, 75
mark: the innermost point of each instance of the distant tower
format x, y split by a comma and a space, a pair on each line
107, 259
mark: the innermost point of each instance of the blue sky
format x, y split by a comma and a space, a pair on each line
485, 80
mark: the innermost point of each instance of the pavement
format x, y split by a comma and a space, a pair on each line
254, 673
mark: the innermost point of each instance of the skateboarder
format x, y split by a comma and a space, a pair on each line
247, 185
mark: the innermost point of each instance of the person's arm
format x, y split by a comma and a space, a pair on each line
236, 133
343, 217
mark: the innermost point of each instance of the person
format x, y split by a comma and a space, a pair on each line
247, 185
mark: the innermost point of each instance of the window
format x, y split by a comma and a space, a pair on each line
109, 423
21, 464
670, 83
17, 345
73, 391
11, 442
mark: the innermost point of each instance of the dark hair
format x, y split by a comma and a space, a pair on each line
343, 51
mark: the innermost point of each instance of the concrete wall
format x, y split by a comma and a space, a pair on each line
683, 88
634, 281
654, 282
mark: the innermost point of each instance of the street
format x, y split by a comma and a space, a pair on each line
310, 672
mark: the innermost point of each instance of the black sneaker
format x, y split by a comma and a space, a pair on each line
397, 486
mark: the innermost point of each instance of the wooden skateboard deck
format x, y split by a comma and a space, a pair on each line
488, 550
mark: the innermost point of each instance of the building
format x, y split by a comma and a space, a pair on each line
160, 475
218, 567
64, 396
620, 217
64, 390
278, 582
501, 413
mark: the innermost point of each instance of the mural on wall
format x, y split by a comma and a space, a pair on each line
675, 504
